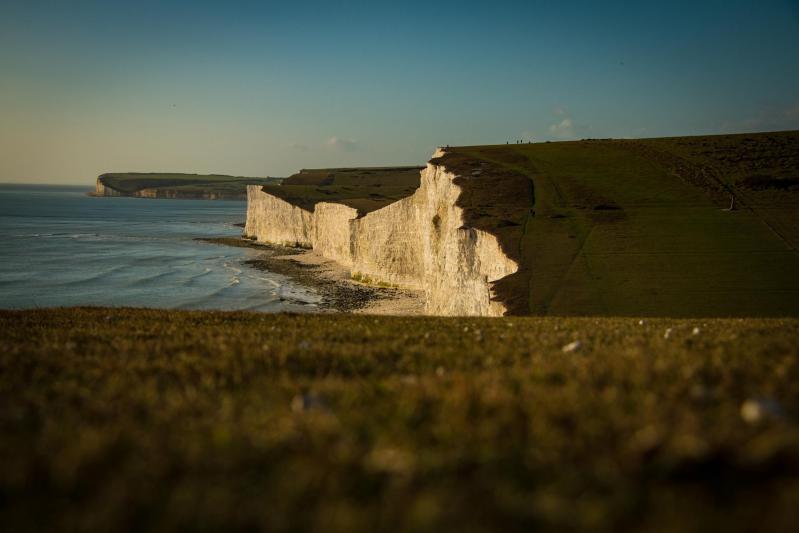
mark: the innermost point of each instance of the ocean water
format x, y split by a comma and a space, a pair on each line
59, 247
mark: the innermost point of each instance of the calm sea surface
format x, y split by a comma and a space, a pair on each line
59, 247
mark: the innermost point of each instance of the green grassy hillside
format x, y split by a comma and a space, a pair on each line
365, 189
183, 185
641, 227
153, 420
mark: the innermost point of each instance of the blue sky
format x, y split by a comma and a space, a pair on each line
266, 88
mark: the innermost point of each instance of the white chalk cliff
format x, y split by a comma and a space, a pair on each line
419, 242
101, 189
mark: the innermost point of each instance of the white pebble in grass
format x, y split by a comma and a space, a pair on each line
696, 331
667, 334
572, 347
409, 379
306, 402
757, 409
641, 322
751, 411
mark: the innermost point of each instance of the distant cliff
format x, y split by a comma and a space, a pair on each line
177, 186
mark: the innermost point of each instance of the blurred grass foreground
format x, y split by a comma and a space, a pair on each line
120, 420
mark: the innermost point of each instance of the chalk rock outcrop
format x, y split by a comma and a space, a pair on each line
419, 242
101, 189
270, 219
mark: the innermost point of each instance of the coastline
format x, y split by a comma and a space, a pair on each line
339, 292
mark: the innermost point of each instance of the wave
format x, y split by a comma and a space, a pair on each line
150, 279
192, 279
90, 252
272, 282
236, 279
95, 278
90, 237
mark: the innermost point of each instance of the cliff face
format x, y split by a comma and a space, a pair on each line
332, 231
177, 194
387, 243
460, 262
100, 189
420, 242
270, 219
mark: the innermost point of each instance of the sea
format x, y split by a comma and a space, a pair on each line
61, 247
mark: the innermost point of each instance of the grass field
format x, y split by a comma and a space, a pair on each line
188, 185
114, 420
364, 188
641, 227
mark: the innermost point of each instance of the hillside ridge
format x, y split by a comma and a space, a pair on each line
176, 185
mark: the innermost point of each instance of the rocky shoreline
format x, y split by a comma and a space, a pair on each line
339, 293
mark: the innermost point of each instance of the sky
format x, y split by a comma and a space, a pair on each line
260, 88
